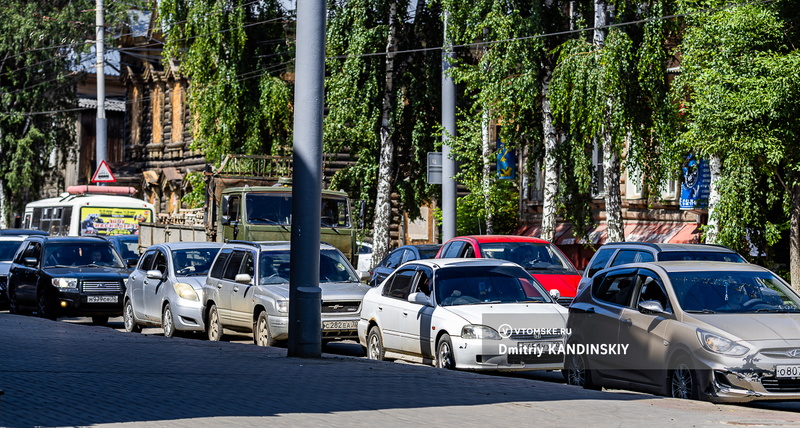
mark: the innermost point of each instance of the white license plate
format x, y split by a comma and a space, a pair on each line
339, 325
787, 371
102, 299
537, 348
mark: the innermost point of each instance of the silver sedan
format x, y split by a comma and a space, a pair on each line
166, 288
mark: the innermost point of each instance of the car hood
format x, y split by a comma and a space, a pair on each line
330, 290
754, 327
196, 281
88, 272
566, 284
474, 314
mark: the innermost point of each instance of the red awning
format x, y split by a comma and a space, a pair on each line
651, 232
689, 234
562, 229
674, 232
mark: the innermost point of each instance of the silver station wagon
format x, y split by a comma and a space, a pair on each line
247, 290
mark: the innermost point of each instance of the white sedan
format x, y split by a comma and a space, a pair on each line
470, 314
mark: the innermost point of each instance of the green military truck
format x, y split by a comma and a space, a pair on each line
247, 199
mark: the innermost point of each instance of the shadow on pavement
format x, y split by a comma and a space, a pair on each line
66, 374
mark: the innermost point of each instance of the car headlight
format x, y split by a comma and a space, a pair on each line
282, 306
472, 331
185, 291
720, 345
65, 282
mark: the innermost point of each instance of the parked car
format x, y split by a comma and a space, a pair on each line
398, 256
540, 258
364, 256
127, 246
619, 253
247, 290
476, 314
10, 241
724, 332
166, 288
67, 276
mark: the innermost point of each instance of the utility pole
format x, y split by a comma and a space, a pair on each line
305, 296
101, 148
449, 125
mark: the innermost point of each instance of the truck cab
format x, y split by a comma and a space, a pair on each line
265, 214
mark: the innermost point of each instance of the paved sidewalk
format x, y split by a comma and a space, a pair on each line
61, 374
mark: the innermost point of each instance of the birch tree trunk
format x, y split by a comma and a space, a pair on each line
715, 167
383, 200
794, 239
611, 163
550, 166
487, 174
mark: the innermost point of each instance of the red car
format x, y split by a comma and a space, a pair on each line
543, 260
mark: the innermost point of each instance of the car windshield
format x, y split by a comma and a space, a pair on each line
428, 253
8, 249
486, 284
733, 292
532, 256
81, 254
194, 261
128, 247
275, 208
333, 267
709, 256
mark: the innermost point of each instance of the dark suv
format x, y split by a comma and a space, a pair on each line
620, 253
67, 276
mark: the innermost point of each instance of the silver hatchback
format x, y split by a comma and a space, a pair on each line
247, 290
166, 288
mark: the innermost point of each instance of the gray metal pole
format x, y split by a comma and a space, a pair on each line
449, 125
305, 323
101, 147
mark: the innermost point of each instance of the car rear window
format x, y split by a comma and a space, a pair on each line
709, 256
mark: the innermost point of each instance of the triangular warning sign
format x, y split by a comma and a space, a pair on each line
103, 174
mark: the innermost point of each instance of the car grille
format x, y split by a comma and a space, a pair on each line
340, 307
3, 282
533, 336
565, 301
772, 384
103, 287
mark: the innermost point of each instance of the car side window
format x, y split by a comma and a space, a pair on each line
624, 257
422, 281
160, 263
454, 250
401, 284
469, 252
645, 257
147, 260
233, 265
408, 255
248, 265
219, 264
394, 259
599, 261
34, 249
651, 288
616, 288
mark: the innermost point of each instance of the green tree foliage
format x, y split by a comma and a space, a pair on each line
357, 30
740, 93
234, 53
41, 44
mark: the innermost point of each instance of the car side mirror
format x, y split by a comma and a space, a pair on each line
363, 276
555, 294
243, 278
155, 274
651, 307
226, 220
30, 261
419, 298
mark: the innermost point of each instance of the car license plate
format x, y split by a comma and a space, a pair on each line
102, 299
339, 325
537, 348
787, 371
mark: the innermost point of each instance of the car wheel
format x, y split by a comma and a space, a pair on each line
261, 334
445, 358
13, 303
100, 320
577, 372
43, 306
375, 349
129, 321
214, 327
682, 382
166, 321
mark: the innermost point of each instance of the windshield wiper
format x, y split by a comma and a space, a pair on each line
703, 311
777, 311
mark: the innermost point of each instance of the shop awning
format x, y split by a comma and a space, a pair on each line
673, 232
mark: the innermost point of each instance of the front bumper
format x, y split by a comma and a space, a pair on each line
75, 304
476, 354
188, 315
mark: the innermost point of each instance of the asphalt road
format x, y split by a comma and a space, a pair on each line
70, 373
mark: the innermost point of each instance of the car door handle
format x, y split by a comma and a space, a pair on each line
405, 314
380, 308
219, 286
627, 322
235, 289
